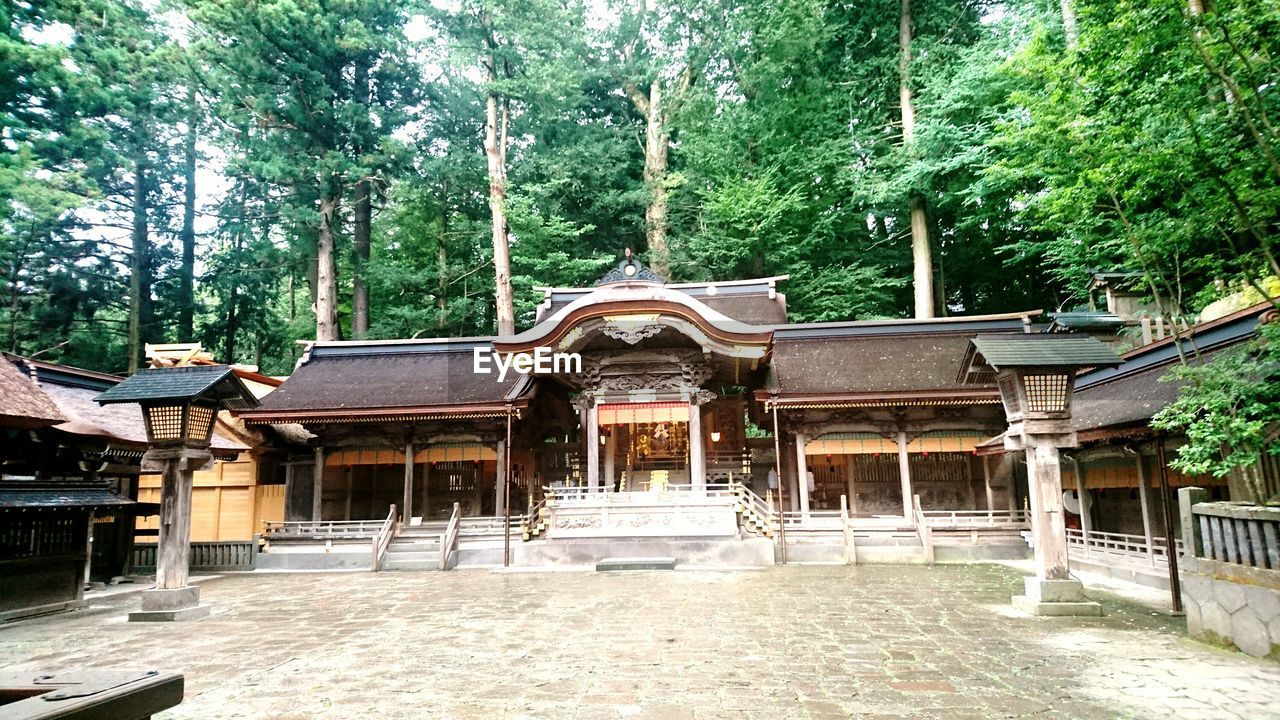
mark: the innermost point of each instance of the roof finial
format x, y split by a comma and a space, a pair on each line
628, 253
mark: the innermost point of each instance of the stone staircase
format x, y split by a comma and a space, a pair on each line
415, 548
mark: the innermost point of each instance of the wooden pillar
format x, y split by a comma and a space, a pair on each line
697, 457
1143, 489
986, 479
407, 508
1048, 527
904, 473
593, 446
173, 549
802, 475
1085, 521
1007, 462
500, 481
426, 490
350, 483
317, 483
852, 483
610, 449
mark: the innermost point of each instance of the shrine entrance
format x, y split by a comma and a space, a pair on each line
646, 446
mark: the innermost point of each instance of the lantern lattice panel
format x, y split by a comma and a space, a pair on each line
165, 422
1046, 393
200, 422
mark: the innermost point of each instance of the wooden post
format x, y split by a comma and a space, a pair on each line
350, 484
1006, 461
593, 446
500, 481
506, 499
802, 477
426, 489
986, 479
697, 458
1048, 527
850, 550
777, 465
610, 449
407, 506
1086, 522
1146, 506
1175, 582
1191, 539
852, 483
317, 483
173, 550
904, 473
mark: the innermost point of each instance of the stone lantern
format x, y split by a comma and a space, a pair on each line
179, 406
1035, 374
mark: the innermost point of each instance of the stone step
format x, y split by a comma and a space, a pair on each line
406, 548
636, 563
414, 561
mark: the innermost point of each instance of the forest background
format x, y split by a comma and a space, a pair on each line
248, 173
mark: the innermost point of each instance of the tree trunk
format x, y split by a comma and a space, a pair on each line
360, 243
442, 258
139, 287
921, 253
494, 152
186, 274
361, 225
326, 272
655, 179
1069, 26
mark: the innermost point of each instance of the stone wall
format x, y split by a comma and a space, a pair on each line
1234, 606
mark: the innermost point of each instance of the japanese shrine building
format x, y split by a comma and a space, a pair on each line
679, 386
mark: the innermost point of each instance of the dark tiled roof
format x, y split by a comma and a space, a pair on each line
1132, 399
870, 363
22, 494
387, 376
114, 423
751, 309
181, 383
22, 403
1011, 350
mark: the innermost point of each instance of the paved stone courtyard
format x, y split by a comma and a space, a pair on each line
791, 642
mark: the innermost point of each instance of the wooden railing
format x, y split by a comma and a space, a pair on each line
531, 525
710, 490
923, 531
218, 556
976, 518
1120, 546
1236, 533
324, 529
382, 540
833, 520
449, 540
754, 509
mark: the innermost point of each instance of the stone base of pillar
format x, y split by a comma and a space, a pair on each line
173, 605
1056, 598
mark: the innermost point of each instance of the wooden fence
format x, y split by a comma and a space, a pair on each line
205, 556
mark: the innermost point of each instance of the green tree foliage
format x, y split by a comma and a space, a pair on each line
1228, 408
1148, 143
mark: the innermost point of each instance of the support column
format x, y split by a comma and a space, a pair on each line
426, 490
1143, 489
697, 457
171, 598
904, 472
500, 481
593, 446
350, 487
852, 483
1085, 520
1051, 591
1007, 462
610, 449
317, 484
1048, 526
407, 508
802, 476
986, 479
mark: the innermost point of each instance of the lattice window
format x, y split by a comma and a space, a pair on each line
1046, 393
165, 422
200, 422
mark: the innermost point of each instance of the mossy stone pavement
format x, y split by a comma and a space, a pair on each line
786, 642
